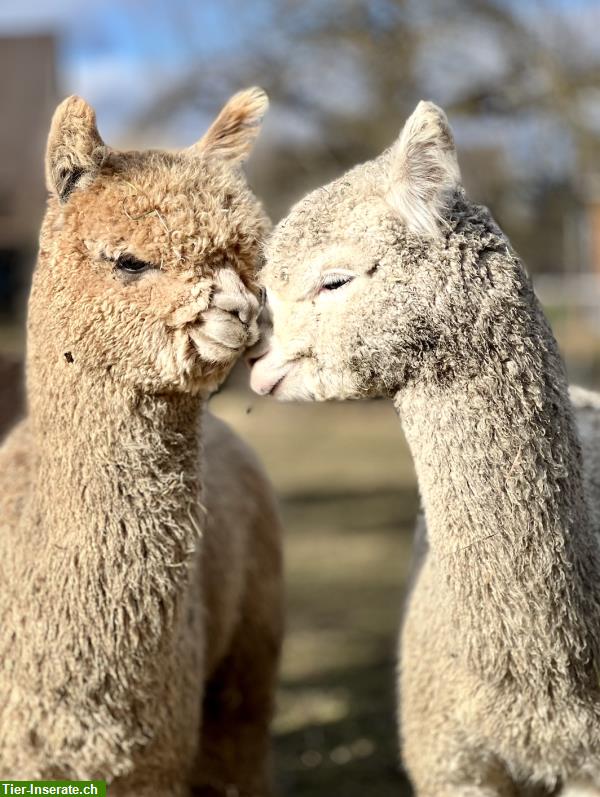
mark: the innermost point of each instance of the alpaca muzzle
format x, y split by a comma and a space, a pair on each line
268, 373
221, 331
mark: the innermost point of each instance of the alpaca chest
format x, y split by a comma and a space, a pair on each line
538, 739
104, 714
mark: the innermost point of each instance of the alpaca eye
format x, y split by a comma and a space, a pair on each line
331, 282
131, 265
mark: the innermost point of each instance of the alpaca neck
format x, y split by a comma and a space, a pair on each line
101, 447
114, 515
499, 470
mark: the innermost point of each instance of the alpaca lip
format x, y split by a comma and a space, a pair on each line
196, 340
273, 390
230, 346
265, 380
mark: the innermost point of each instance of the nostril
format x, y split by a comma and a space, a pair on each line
244, 315
242, 312
236, 306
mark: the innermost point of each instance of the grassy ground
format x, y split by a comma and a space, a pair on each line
348, 499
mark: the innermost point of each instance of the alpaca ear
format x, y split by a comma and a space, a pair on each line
423, 170
75, 150
232, 134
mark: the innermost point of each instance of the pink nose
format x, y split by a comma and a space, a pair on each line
267, 373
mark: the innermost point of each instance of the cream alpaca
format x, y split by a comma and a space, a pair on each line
140, 631
390, 282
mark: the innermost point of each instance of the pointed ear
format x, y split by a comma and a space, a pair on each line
75, 151
423, 170
233, 132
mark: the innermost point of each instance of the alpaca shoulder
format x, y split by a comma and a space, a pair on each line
240, 541
230, 466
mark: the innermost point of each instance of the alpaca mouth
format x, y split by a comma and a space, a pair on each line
225, 344
212, 347
266, 380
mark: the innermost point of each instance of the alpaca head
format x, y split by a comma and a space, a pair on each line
147, 259
352, 274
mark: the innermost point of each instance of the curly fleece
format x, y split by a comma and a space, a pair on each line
500, 648
140, 615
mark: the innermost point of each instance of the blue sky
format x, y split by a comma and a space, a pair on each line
120, 54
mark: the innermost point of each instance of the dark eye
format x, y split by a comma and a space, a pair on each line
334, 280
131, 264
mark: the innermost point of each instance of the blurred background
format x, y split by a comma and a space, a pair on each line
520, 81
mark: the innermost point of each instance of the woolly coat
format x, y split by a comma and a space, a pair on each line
390, 282
140, 598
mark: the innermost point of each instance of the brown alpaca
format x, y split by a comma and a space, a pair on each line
141, 622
